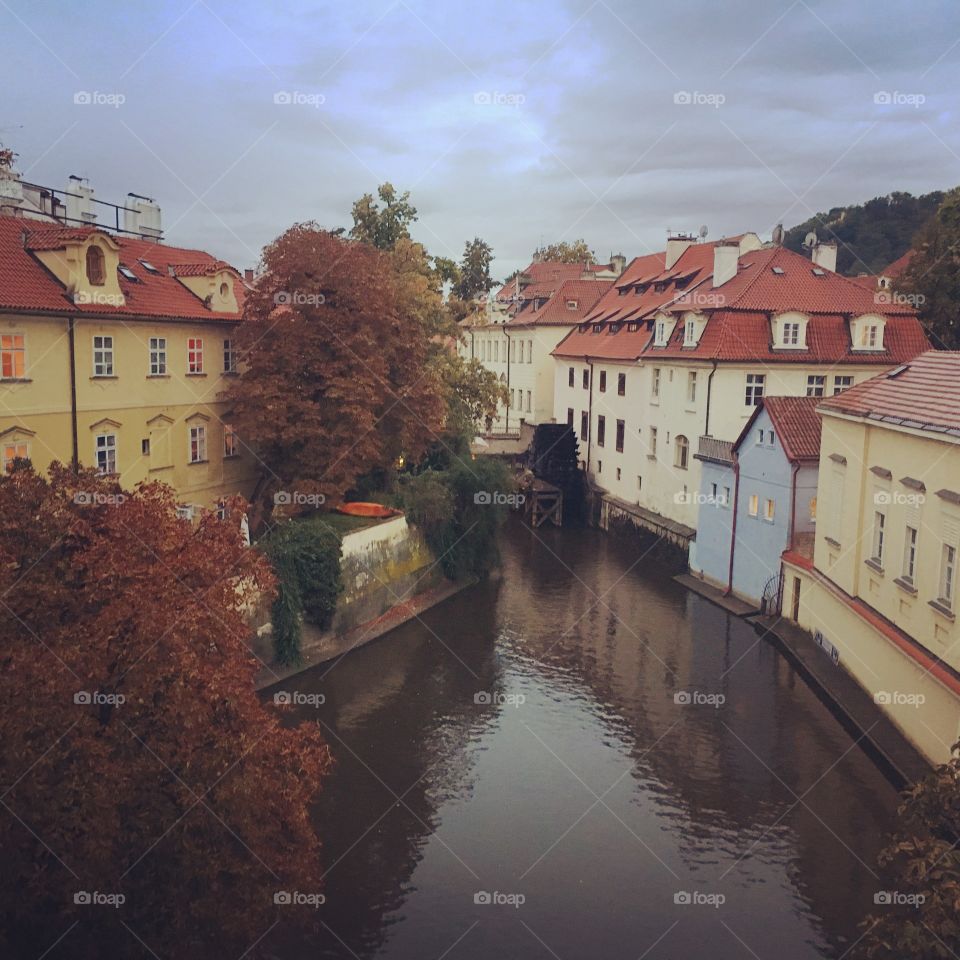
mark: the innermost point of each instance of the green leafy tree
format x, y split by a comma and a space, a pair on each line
474, 280
925, 861
382, 226
933, 275
566, 251
473, 393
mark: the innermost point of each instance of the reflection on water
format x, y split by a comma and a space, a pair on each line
583, 782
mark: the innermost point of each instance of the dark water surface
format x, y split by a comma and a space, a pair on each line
585, 787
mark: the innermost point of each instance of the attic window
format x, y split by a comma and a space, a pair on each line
660, 286
149, 267
641, 288
682, 283
571, 304
584, 327
597, 327
224, 289
96, 270
633, 326
623, 291
614, 327
777, 270
128, 273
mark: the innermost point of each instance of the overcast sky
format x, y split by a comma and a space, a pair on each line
512, 120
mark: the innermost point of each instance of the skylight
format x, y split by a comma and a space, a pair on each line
898, 370
149, 266
128, 273
777, 270
817, 272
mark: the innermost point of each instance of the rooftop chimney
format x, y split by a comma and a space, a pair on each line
141, 216
676, 247
248, 274
619, 263
824, 255
79, 201
725, 257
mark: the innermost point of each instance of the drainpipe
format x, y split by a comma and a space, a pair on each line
733, 521
793, 503
589, 363
509, 345
75, 459
713, 370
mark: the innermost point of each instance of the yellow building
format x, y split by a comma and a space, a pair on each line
881, 590
114, 353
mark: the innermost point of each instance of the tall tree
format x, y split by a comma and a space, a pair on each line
933, 275
566, 251
382, 226
474, 280
336, 380
139, 762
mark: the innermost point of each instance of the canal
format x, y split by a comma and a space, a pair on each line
582, 760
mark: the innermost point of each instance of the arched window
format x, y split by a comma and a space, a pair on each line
96, 270
681, 453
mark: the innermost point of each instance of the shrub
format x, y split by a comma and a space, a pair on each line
305, 555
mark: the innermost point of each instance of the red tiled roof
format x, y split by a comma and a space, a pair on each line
556, 312
898, 266
797, 424
27, 286
925, 395
545, 276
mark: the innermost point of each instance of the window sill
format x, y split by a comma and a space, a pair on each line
943, 610
158, 376
105, 376
651, 456
16, 380
194, 374
196, 463
230, 373
875, 566
231, 456
906, 586
833, 543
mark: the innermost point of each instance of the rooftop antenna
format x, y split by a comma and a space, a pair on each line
703, 232
810, 240
777, 235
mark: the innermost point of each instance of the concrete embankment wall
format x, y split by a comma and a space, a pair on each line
389, 575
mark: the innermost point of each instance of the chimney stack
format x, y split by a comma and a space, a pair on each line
824, 255
141, 216
676, 247
726, 255
618, 262
248, 274
79, 201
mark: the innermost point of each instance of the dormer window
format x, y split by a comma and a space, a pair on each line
614, 327
633, 327
867, 333
790, 332
661, 334
96, 267
869, 336
623, 291
690, 333
597, 327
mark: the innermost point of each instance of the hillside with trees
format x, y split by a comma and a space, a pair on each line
871, 235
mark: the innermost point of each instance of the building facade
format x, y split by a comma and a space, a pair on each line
115, 353
881, 589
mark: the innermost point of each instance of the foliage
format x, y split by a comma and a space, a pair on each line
139, 760
336, 379
305, 556
872, 235
455, 510
474, 280
926, 862
382, 227
566, 251
933, 275
474, 393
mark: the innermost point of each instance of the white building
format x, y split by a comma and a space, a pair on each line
688, 341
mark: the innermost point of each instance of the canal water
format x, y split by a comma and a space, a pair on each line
582, 760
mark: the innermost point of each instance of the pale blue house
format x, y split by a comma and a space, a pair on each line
758, 498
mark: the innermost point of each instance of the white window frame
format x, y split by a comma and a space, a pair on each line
947, 592
754, 387
839, 387
110, 448
816, 382
692, 387
769, 510
753, 507
21, 451
879, 537
103, 356
197, 434
229, 356
13, 350
911, 538
655, 384
231, 445
157, 350
194, 356
681, 452
690, 332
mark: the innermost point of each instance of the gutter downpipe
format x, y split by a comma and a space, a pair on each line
793, 503
733, 521
75, 464
713, 370
509, 347
589, 363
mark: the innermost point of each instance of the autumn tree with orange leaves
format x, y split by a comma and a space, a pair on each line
151, 804
339, 378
